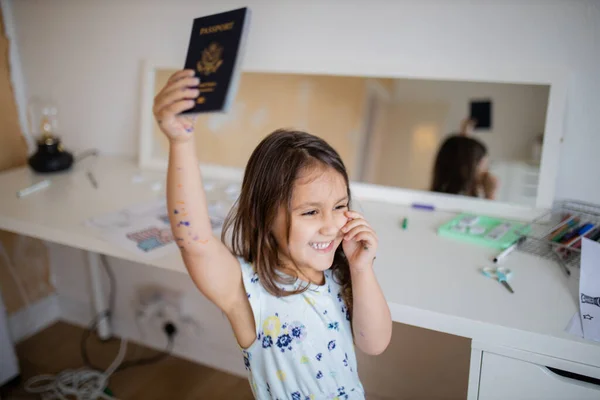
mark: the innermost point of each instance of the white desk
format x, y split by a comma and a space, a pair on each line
429, 281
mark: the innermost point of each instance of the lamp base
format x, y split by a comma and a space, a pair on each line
50, 156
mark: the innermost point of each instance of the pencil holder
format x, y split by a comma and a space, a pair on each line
557, 234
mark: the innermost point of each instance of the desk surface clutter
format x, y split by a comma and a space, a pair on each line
429, 281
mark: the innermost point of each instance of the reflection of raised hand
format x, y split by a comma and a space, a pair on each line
489, 184
467, 126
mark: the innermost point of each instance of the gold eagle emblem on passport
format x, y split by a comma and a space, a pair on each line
211, 59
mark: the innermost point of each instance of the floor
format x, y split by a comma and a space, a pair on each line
57, 348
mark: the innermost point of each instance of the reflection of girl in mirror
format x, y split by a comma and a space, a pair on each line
462, 167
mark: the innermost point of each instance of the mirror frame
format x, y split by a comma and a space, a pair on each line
553, 134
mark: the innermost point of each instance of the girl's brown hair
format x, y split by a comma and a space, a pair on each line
455, 169
268, 183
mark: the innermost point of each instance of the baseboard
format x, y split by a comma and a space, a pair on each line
75, 312
195, 349
32, 319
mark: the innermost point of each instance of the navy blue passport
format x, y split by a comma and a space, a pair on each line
215, 52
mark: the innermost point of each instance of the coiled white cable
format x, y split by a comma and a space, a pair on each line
83, 384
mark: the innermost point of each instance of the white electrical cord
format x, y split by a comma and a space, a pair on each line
83, 384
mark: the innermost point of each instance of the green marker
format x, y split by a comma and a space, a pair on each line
404, 223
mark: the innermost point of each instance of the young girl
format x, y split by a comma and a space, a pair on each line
461, 167
296, 282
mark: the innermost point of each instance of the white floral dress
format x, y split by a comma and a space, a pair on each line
304, 348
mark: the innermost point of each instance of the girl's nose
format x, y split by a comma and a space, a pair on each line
330, 226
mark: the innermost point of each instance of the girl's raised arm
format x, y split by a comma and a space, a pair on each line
209, 262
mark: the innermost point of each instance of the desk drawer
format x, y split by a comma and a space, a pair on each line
505, 378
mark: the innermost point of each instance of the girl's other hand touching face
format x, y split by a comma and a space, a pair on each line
360, 241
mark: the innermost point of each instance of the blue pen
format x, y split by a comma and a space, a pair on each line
420, 206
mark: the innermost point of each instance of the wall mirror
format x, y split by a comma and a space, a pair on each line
402, 138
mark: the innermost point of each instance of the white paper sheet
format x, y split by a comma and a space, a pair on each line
144, 229
589, 289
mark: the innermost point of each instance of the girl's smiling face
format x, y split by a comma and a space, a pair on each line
319, 201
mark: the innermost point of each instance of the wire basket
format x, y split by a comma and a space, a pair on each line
538, 239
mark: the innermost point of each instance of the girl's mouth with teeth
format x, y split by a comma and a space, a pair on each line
322, 246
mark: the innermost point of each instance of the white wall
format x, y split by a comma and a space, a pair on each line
87, 54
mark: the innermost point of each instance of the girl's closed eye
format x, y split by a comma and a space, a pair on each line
310, 213
314, 212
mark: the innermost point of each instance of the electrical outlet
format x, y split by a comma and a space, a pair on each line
157, 305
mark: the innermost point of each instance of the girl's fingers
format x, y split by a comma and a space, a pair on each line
354, 223
175, 108
353, 214
180, 74
190, 119
179, 86
174, 97
356, 230
353, 226
184, 83
367, 240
